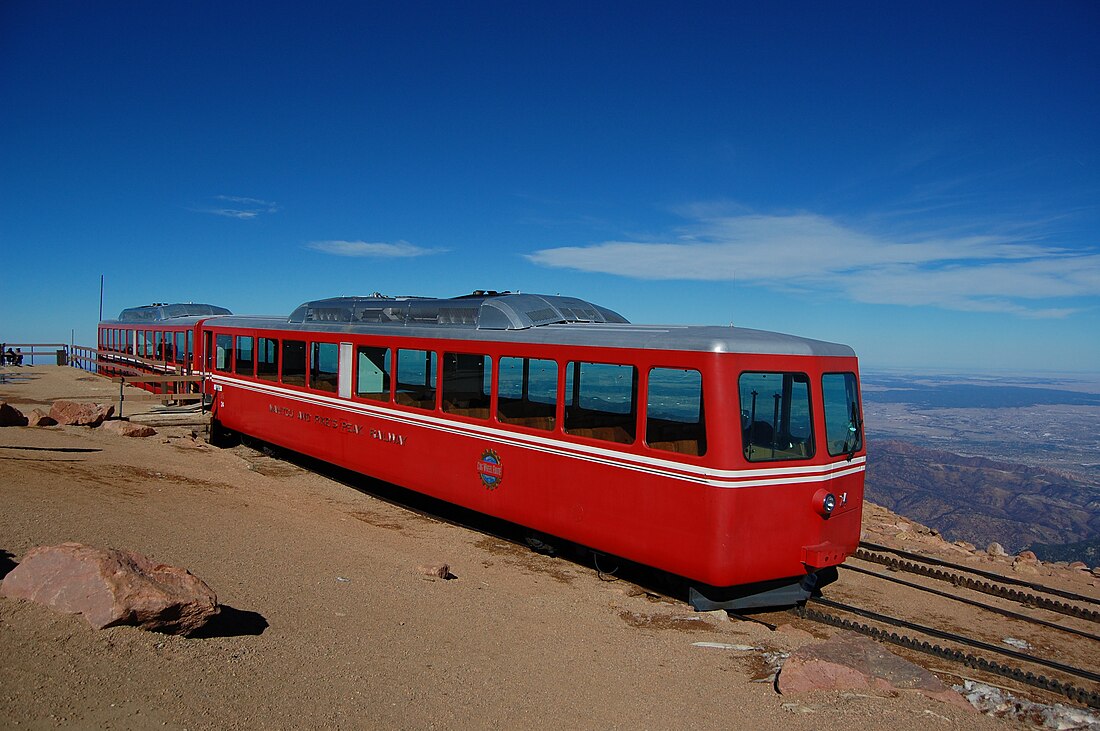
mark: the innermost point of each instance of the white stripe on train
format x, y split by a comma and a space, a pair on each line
755, 477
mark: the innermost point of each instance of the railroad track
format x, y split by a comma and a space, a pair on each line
1070, 690
980, 655
1007, 587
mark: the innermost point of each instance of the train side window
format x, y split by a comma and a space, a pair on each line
416, 378
267, 359
843, 425
527, 392
674, 411
324, 366
181, 347
223, 348
601, 401
775, 416
294, 362
467, 383
373, 367
245, 364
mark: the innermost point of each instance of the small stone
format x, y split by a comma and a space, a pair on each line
1079, 566
11, 416
1027, 557
996, 549
436, 570
966, 546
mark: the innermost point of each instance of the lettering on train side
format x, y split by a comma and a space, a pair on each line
388, 436
280, 410
338, 424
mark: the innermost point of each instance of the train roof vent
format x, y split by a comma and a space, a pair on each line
158, 312
481, 310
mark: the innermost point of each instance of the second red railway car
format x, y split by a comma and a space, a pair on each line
732, 457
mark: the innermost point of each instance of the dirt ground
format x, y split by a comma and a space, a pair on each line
328, 623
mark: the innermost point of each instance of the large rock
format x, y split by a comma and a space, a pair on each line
38, 417
112, 587
128, 429
11, 416
72, 413
851, 662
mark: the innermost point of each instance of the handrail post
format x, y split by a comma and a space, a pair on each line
121, 396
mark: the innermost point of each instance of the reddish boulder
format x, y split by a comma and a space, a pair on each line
38, 417
111, 587
128, 429
71, 413
851, 662
11, 416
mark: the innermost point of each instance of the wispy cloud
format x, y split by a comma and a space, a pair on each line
987, 273
381, 250
240, 207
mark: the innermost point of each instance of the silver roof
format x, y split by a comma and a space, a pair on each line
480, 310
526, 318
159, 312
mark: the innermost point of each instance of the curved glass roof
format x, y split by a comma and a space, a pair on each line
480, 310
159, 312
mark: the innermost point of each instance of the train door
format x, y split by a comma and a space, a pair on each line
347, 353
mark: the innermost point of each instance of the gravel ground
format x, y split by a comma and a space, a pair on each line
330, 624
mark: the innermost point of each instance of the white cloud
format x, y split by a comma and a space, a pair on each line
805, 251
373, 249
243, 208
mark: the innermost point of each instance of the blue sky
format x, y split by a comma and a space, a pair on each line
920, 181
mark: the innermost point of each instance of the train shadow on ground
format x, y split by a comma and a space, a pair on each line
657, 585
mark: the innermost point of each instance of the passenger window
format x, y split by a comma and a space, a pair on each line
467, 383
416, 378
223, 360
324, 366
674, 411
775, 416
600, 401
527, 392
843, 425
267, 359
147, 352
245, 365
190, 345
294, 362
181, 348
373, 373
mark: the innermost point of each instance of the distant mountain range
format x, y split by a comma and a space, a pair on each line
982, 500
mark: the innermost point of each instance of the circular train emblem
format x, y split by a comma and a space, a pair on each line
490, 470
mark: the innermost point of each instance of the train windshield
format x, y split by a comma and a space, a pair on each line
843, 426
775, 416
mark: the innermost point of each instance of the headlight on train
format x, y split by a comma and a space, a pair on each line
824, 502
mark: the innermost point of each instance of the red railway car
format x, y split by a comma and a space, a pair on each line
728, 456
152, 339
